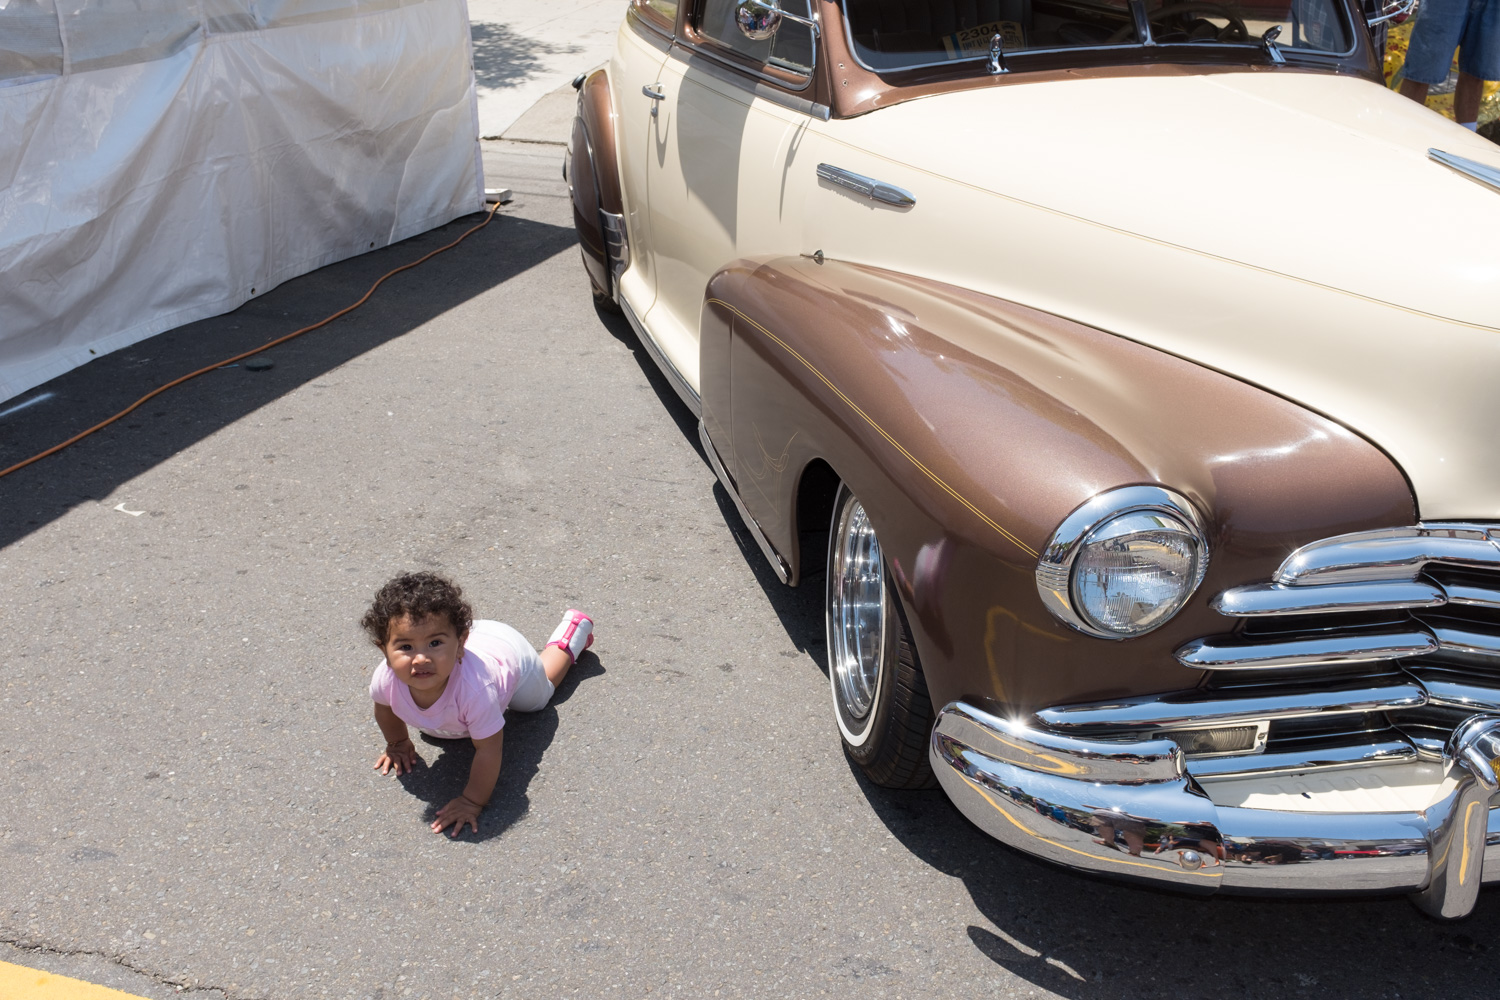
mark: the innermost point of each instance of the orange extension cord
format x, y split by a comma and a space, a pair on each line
229, 361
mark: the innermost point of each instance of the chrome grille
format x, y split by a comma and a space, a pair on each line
1418, 604
1363, 648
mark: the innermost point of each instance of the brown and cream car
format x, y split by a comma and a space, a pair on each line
1149, 470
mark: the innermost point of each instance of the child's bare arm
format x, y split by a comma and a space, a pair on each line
400, 753
483, 774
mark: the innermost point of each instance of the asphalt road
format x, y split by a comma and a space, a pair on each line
185, 770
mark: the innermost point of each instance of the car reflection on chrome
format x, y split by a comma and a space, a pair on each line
1154, 522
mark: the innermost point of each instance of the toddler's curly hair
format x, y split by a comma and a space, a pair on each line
416, 595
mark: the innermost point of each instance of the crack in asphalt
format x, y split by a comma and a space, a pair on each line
181, 986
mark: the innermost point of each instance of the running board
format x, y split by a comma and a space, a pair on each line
778, 564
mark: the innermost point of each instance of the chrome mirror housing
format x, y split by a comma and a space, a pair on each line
758, 19
1393, 10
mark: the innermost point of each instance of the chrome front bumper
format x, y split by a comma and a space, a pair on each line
1129, 809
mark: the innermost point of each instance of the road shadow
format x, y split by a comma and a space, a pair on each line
504, 58
800, 608
93, 468
527, 736
1087, 939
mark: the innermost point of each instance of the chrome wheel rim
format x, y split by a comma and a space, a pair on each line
857, 613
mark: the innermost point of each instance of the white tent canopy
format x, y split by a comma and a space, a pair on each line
162, 161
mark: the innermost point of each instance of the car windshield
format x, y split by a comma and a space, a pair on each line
890, 35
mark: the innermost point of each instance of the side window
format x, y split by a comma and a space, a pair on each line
790, 49
662, 12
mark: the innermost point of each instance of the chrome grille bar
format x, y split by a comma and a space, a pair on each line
1232, 653
1479, 597
1201, 709
1452, 694
1463, 640
1390, 554
1267, 599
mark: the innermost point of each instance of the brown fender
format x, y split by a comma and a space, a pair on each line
592, 172
970, 426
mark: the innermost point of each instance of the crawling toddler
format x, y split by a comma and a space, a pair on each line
452, 676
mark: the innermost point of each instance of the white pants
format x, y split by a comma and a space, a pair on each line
533, 690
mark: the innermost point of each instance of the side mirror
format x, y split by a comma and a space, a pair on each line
1395, 11
758, 19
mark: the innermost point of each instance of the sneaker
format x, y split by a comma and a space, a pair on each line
574, 634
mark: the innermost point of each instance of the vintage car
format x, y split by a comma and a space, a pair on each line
1144, 445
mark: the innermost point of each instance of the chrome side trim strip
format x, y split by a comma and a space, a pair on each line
1193, 709
778, 565
1389, 554
1209, 654
869, 187
1481, 172
1290, 761
674, 377
1263, 599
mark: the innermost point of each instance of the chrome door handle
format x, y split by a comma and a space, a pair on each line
654, 91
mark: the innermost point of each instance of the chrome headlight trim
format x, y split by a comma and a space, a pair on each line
1054, 570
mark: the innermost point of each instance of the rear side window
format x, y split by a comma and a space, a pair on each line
790, 49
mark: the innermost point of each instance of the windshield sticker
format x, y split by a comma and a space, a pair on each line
970, 42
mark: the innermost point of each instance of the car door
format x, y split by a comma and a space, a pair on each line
635, 70
727, 112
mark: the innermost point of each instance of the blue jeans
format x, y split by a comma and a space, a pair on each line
1471, 26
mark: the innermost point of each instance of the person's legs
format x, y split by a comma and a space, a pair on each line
1434, 38
534, 689
556, 662
573, 635
1478, 59
1466, 99
1416, 91
542, 672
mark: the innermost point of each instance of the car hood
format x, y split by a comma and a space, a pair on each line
1288, 228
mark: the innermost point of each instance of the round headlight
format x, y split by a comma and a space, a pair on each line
1124, 563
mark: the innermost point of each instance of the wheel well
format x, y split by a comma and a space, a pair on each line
817, 488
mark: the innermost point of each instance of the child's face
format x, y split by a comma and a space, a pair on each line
423, 653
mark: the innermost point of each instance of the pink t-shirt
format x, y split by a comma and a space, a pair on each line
474, 702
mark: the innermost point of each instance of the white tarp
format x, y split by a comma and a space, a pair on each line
162, 161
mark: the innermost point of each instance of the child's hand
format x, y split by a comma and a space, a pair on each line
457, 813
400, 757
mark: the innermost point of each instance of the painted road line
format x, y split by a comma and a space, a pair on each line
20, 983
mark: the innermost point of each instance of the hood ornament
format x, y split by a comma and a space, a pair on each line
1481, 172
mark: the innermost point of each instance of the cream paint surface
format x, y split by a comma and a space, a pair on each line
714, 196
1229, 219
1064, 239
635, 64
1283, 171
